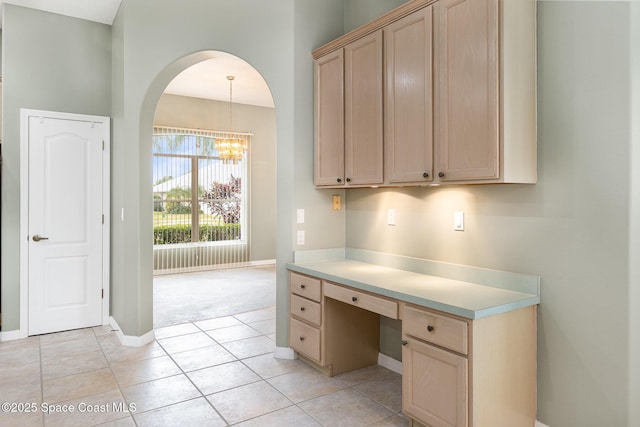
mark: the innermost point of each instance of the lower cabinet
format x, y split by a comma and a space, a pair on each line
435, 368
336, 328
460, 372
305, 323
456, 372
437, 390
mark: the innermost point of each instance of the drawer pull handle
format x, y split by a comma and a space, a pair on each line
354, 299
404, 342
301, 308
430, 328
301, 338
302, 286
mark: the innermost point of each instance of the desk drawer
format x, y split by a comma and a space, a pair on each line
435, 328
305, 309
305, 339
308, 287
359, 299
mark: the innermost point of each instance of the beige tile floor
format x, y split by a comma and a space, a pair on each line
212, 372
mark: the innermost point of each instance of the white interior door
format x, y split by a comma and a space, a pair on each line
65, 224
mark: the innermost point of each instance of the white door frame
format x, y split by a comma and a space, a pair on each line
25, 114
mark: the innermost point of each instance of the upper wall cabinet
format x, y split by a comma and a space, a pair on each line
348, 102
459, 105
485, 92
363, 110
467, 89
408, 114
329, 117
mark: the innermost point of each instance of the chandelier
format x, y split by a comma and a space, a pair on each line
231, 149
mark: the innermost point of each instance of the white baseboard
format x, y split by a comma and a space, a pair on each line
285, 353
130, 340
390, 363
196, 269
539, 424
11, 335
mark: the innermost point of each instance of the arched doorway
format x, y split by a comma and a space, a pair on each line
189, 237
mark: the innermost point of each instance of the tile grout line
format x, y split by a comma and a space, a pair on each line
120, 387
115, 378
191, 381
243, 361
41, 378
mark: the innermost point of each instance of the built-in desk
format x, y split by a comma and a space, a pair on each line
468, 348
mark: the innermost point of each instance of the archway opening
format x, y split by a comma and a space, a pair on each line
213, 220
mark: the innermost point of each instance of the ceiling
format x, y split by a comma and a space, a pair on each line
207, 79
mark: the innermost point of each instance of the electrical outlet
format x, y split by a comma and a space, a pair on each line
300, 240
300, 216
337, 202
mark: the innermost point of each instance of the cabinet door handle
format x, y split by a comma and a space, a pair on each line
301, 338
441, 174
430, 328
302, 286
348, 179
354, 299
425, 175
404, 342
301, 308
339, 180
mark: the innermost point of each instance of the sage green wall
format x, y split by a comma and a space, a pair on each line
317, 23
634, 228
360, 12
572, 228
198, 113
275, 38
50, 62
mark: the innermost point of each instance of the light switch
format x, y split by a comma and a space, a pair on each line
458, 221
300, 216
391, 217
300, 240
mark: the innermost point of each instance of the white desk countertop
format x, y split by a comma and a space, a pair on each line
462, 298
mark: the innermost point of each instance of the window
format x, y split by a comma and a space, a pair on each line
197, 198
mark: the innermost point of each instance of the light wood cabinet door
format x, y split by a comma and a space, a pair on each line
408, 118
329, 119
363, 110
434, 385
466, 41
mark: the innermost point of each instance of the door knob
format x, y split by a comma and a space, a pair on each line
37, 238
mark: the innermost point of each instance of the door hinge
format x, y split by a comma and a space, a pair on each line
102, 293
102, 218
103, 145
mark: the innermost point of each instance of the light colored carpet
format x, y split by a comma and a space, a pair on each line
180, 298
